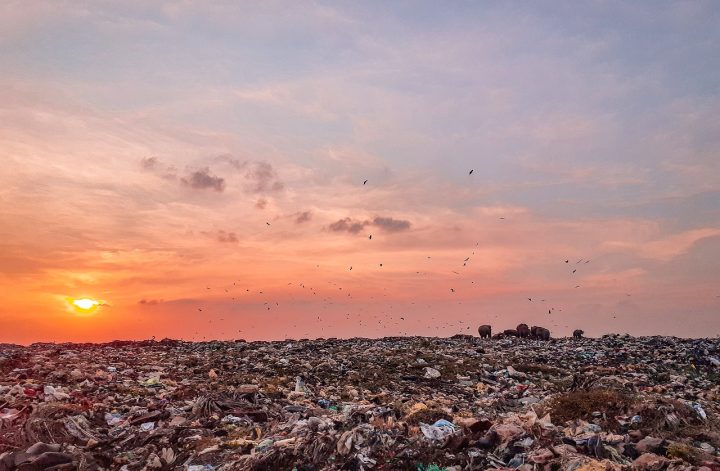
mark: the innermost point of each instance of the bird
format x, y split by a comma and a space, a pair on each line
267, 223
574, 270
370, 237
452, 289
471, 171
567, 261
365, 182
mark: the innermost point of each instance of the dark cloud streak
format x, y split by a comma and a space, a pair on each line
202, 180
390, 224
302, 217
348, 225
386, 224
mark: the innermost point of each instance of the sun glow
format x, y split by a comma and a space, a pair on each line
84, 305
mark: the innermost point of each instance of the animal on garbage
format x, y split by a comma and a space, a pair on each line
523, 331
577, 333
510, 332
485, 331
539, 333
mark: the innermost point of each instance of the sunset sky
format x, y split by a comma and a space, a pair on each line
191, 164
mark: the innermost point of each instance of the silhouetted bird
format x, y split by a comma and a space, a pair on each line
471, 171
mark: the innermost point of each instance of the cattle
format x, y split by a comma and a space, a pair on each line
539, 333
523, 331
485, 331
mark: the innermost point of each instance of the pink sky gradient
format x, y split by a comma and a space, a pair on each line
166, 159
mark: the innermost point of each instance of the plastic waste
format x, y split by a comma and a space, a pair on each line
440, 430
432, 373
113, 418
147, 426
700, 411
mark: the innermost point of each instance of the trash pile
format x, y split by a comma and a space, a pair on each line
397, 403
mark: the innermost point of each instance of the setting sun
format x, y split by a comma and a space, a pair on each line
84, 305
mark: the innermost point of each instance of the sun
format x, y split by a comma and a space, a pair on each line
84, 305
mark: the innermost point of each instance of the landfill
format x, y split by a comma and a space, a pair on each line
395, 403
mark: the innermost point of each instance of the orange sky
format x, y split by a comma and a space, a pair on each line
193, 165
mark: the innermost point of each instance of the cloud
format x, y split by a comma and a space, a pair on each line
227, 237
232, 161
222, 236
390, 224
386, 224
151, 302
153, 164
667, 247
260, 176
304, 216
348, 225
202, 180
149, 163
263, 177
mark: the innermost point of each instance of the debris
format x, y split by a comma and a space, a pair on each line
431, 373
647, 403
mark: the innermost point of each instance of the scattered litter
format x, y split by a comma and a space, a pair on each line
364, 404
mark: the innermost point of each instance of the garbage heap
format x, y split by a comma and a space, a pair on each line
395, 403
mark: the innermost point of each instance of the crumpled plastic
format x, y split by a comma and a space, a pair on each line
439, 431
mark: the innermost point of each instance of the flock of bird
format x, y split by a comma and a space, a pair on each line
384, 320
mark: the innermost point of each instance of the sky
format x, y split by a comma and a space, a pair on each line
214, 170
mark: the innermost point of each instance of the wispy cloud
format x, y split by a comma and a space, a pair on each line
202, 179
302, 217
585, 143
348, 225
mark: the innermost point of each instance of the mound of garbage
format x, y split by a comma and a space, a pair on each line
396, 403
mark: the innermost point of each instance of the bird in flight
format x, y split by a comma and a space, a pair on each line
471, 171
365, 182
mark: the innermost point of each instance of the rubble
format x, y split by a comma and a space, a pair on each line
413, 403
